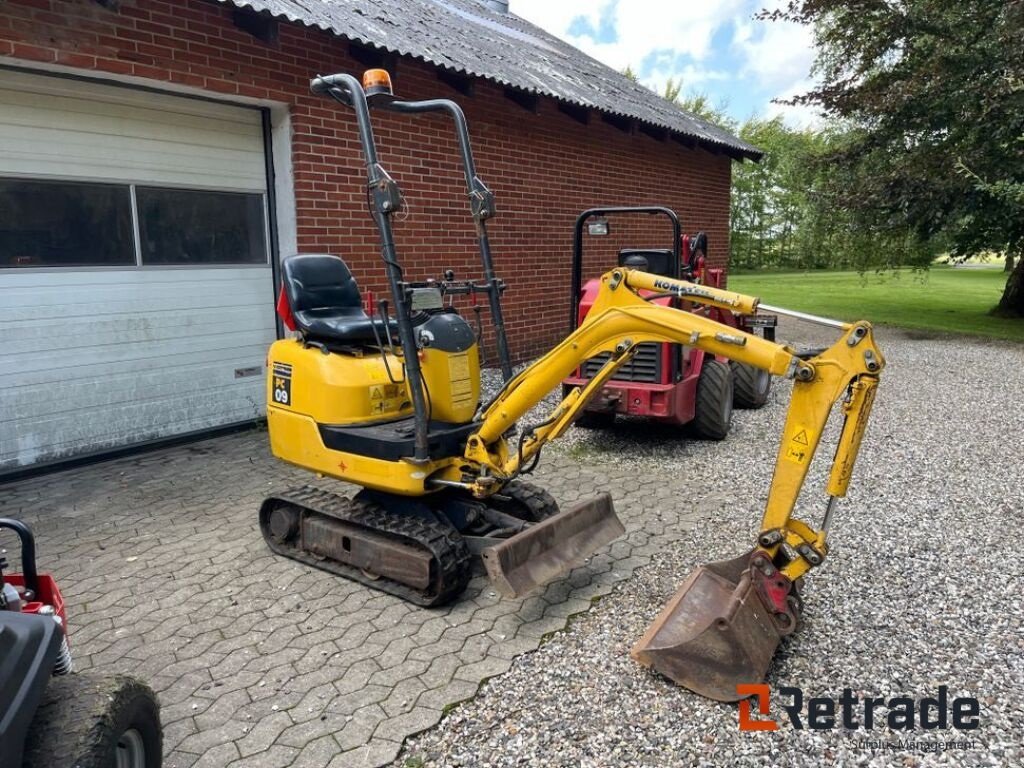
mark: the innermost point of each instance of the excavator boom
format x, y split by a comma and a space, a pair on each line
722, 627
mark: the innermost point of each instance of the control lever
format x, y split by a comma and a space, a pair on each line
477, 309
382, 311
449, 277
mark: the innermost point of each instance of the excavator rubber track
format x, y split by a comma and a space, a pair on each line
424, 562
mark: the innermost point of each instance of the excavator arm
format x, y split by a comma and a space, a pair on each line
621, 318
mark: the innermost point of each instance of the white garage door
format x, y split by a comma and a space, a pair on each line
136, 297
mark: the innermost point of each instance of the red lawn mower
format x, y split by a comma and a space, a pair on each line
51, 717
670, 383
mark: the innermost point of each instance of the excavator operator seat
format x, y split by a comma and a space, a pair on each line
325, 301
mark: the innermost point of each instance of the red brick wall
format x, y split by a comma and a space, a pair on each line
544, 167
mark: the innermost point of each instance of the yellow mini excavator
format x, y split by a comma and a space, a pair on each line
391, 403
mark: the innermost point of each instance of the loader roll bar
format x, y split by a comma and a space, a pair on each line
577, 248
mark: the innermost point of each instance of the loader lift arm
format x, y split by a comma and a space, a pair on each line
621, 319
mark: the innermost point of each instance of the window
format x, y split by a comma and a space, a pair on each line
65, 224
200, 228
88, 224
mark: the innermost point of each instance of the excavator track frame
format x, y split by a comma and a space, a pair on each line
450, 564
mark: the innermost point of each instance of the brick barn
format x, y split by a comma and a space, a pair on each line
158, 158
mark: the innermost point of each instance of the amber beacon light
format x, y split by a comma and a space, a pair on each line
376, 81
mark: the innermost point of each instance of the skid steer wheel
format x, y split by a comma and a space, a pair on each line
526, 501
713, 407
750, 385
87, 721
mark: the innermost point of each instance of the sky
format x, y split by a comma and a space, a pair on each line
717, 47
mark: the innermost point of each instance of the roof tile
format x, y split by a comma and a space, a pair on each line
468, 37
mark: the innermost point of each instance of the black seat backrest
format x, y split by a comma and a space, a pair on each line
659, 260
319, 281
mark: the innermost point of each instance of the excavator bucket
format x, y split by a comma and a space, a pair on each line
548, 549
718, 630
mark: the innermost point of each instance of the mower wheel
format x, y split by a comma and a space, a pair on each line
750, 385
526, 501
596, 420
87, 721
713, 408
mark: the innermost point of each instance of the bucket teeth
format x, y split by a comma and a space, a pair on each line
548, 549
716, 632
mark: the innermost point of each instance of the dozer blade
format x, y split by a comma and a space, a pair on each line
548, 549
717, 631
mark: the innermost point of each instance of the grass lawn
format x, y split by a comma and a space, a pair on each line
944, 299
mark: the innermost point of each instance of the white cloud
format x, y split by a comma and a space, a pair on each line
799, 116
777, 53
773, 57
642, 26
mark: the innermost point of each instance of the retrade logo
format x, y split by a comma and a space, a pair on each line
822, 713
762, 692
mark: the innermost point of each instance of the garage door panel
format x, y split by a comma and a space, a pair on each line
97, 158
161, 135
206, 299
226, 128
102, 96
100, 358
113, 391
122, 136
103, 430
59, 286
115, 354
59, 337
232, 354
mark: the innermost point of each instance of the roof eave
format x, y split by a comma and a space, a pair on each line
735, 152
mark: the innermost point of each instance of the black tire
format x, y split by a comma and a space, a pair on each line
85, 721
713, 409
526, 501
596, 420
751, 385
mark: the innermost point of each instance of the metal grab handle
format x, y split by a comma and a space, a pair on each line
28, 552
482, 207
322, 84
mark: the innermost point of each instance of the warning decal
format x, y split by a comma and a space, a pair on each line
798, 450
385, 397
462, 385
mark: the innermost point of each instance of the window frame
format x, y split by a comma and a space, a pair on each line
136, 228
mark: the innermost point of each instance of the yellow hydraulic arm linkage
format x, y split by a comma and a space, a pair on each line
623, 317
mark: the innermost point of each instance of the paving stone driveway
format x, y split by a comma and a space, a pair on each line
260, 661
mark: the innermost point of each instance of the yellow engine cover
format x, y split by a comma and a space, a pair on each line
335, 388
306, 388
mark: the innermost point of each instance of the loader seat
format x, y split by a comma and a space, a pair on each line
325, 301
659, 261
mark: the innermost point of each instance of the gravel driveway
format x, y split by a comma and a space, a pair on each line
923, 588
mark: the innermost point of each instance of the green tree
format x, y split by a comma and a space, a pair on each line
694, 102
672, 90
933, 95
